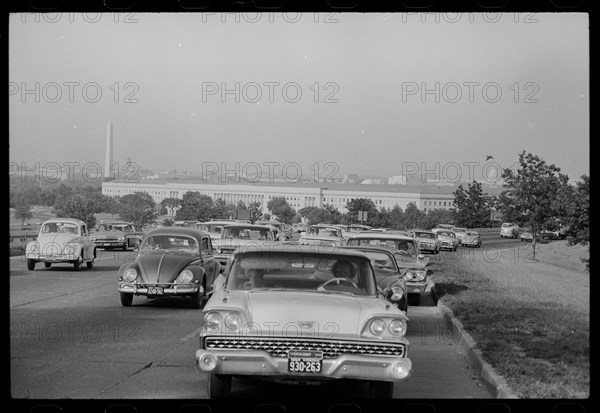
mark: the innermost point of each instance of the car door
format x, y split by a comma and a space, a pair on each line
87, 246
208, 261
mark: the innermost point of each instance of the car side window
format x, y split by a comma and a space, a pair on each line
206, 249
84, 231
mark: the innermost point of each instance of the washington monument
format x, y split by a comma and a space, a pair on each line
108, 156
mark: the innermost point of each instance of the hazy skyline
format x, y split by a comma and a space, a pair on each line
353, 86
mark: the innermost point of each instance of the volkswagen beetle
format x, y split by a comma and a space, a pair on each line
61, 240
171, 261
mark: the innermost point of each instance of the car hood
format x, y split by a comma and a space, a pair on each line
240, 242
163, 267
446, 238
470, 238
56, 242
408, 263
387, 280
433, 241
282, 312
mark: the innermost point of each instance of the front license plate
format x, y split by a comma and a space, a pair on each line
106, 244
300, 361
155, 290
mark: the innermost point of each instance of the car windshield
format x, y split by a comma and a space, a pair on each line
305, 271
427, 235
60, 228
170, 243
474, 234
507, 225
447, 234
249, 233
459, 229
323, 231
115, 227
408, 247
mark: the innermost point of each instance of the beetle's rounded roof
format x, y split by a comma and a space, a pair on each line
71, 220
192, 232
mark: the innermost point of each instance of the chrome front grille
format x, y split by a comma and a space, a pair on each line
279, 346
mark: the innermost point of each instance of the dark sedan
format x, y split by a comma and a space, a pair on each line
171, 261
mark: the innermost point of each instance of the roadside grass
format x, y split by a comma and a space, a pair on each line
539, 344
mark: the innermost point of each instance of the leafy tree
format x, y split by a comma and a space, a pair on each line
532, 194
267, 216
222, 210
438, 216
279, 207
23, 211
195, 206
472, 207
48, 197
255, 211
573, 206
413, 217
168, 222
138, 208
77, 206
170, 204
361, 204
397, 217
328, 214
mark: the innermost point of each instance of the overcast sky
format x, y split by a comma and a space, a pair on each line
504, 83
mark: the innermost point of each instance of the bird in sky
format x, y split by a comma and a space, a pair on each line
489, 157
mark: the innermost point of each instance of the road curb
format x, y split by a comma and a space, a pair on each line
468, 346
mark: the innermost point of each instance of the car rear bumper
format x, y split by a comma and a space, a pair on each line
110, 244
259, 363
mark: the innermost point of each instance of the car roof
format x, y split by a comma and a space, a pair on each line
303, 249
251, 226
224, 222
373, 248
71, 220
192, 232
379, 235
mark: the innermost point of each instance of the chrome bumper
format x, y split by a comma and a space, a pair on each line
183, 289
416, 287
52, 258
258, 363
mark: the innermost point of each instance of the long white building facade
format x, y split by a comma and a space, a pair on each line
297, 195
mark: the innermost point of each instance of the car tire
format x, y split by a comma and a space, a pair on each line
219, 386
77, 264
381, 389
31, 264
90, 264
47, 264
198, 299
126, 299
124, 247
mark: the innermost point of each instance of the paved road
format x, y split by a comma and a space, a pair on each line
70, 338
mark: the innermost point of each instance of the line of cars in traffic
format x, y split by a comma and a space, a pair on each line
333, 306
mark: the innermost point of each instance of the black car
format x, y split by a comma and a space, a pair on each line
170, 261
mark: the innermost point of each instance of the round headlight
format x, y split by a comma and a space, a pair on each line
409, 275
233, 321
397, 328
70, 249
400, 370
377, 327
186, 276
397, 293
212, 321
420, 275
130, 275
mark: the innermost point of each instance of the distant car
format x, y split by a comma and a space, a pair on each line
274, 315
214, 228
408, 258
283, 231
445, 226
448, 238
428, 241
471, 239
300, 228
61, 240
183, 224
171, 261
327, 235
460, 233
526, 235
554, 233
244, 236
509, 230
358, 228
116, 235
389, 276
